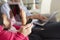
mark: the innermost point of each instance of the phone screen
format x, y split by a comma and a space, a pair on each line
16, 11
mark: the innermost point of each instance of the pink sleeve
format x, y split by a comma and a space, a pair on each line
17, 27
1, 28
7, 35
20, 36
26, 38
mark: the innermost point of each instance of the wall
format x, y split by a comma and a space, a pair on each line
3, 0
55, 5
45, 6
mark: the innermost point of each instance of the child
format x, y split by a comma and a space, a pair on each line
21, 34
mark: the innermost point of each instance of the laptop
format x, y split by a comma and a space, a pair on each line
35, 21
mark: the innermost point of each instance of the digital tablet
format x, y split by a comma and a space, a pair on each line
19, 15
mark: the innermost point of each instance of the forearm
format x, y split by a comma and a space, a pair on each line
37, 16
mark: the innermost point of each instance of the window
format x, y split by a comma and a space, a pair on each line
31, 4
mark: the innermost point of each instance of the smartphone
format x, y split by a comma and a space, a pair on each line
29, 21
21, 17
15, 9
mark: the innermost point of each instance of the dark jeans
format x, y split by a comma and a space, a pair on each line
51, 32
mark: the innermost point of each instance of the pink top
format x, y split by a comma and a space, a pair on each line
7, 35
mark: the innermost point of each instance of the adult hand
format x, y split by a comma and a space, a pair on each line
37, 16
43, 18
26, 30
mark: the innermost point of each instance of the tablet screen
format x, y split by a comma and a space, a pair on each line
16, 11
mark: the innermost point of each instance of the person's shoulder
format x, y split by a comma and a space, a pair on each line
4, 4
